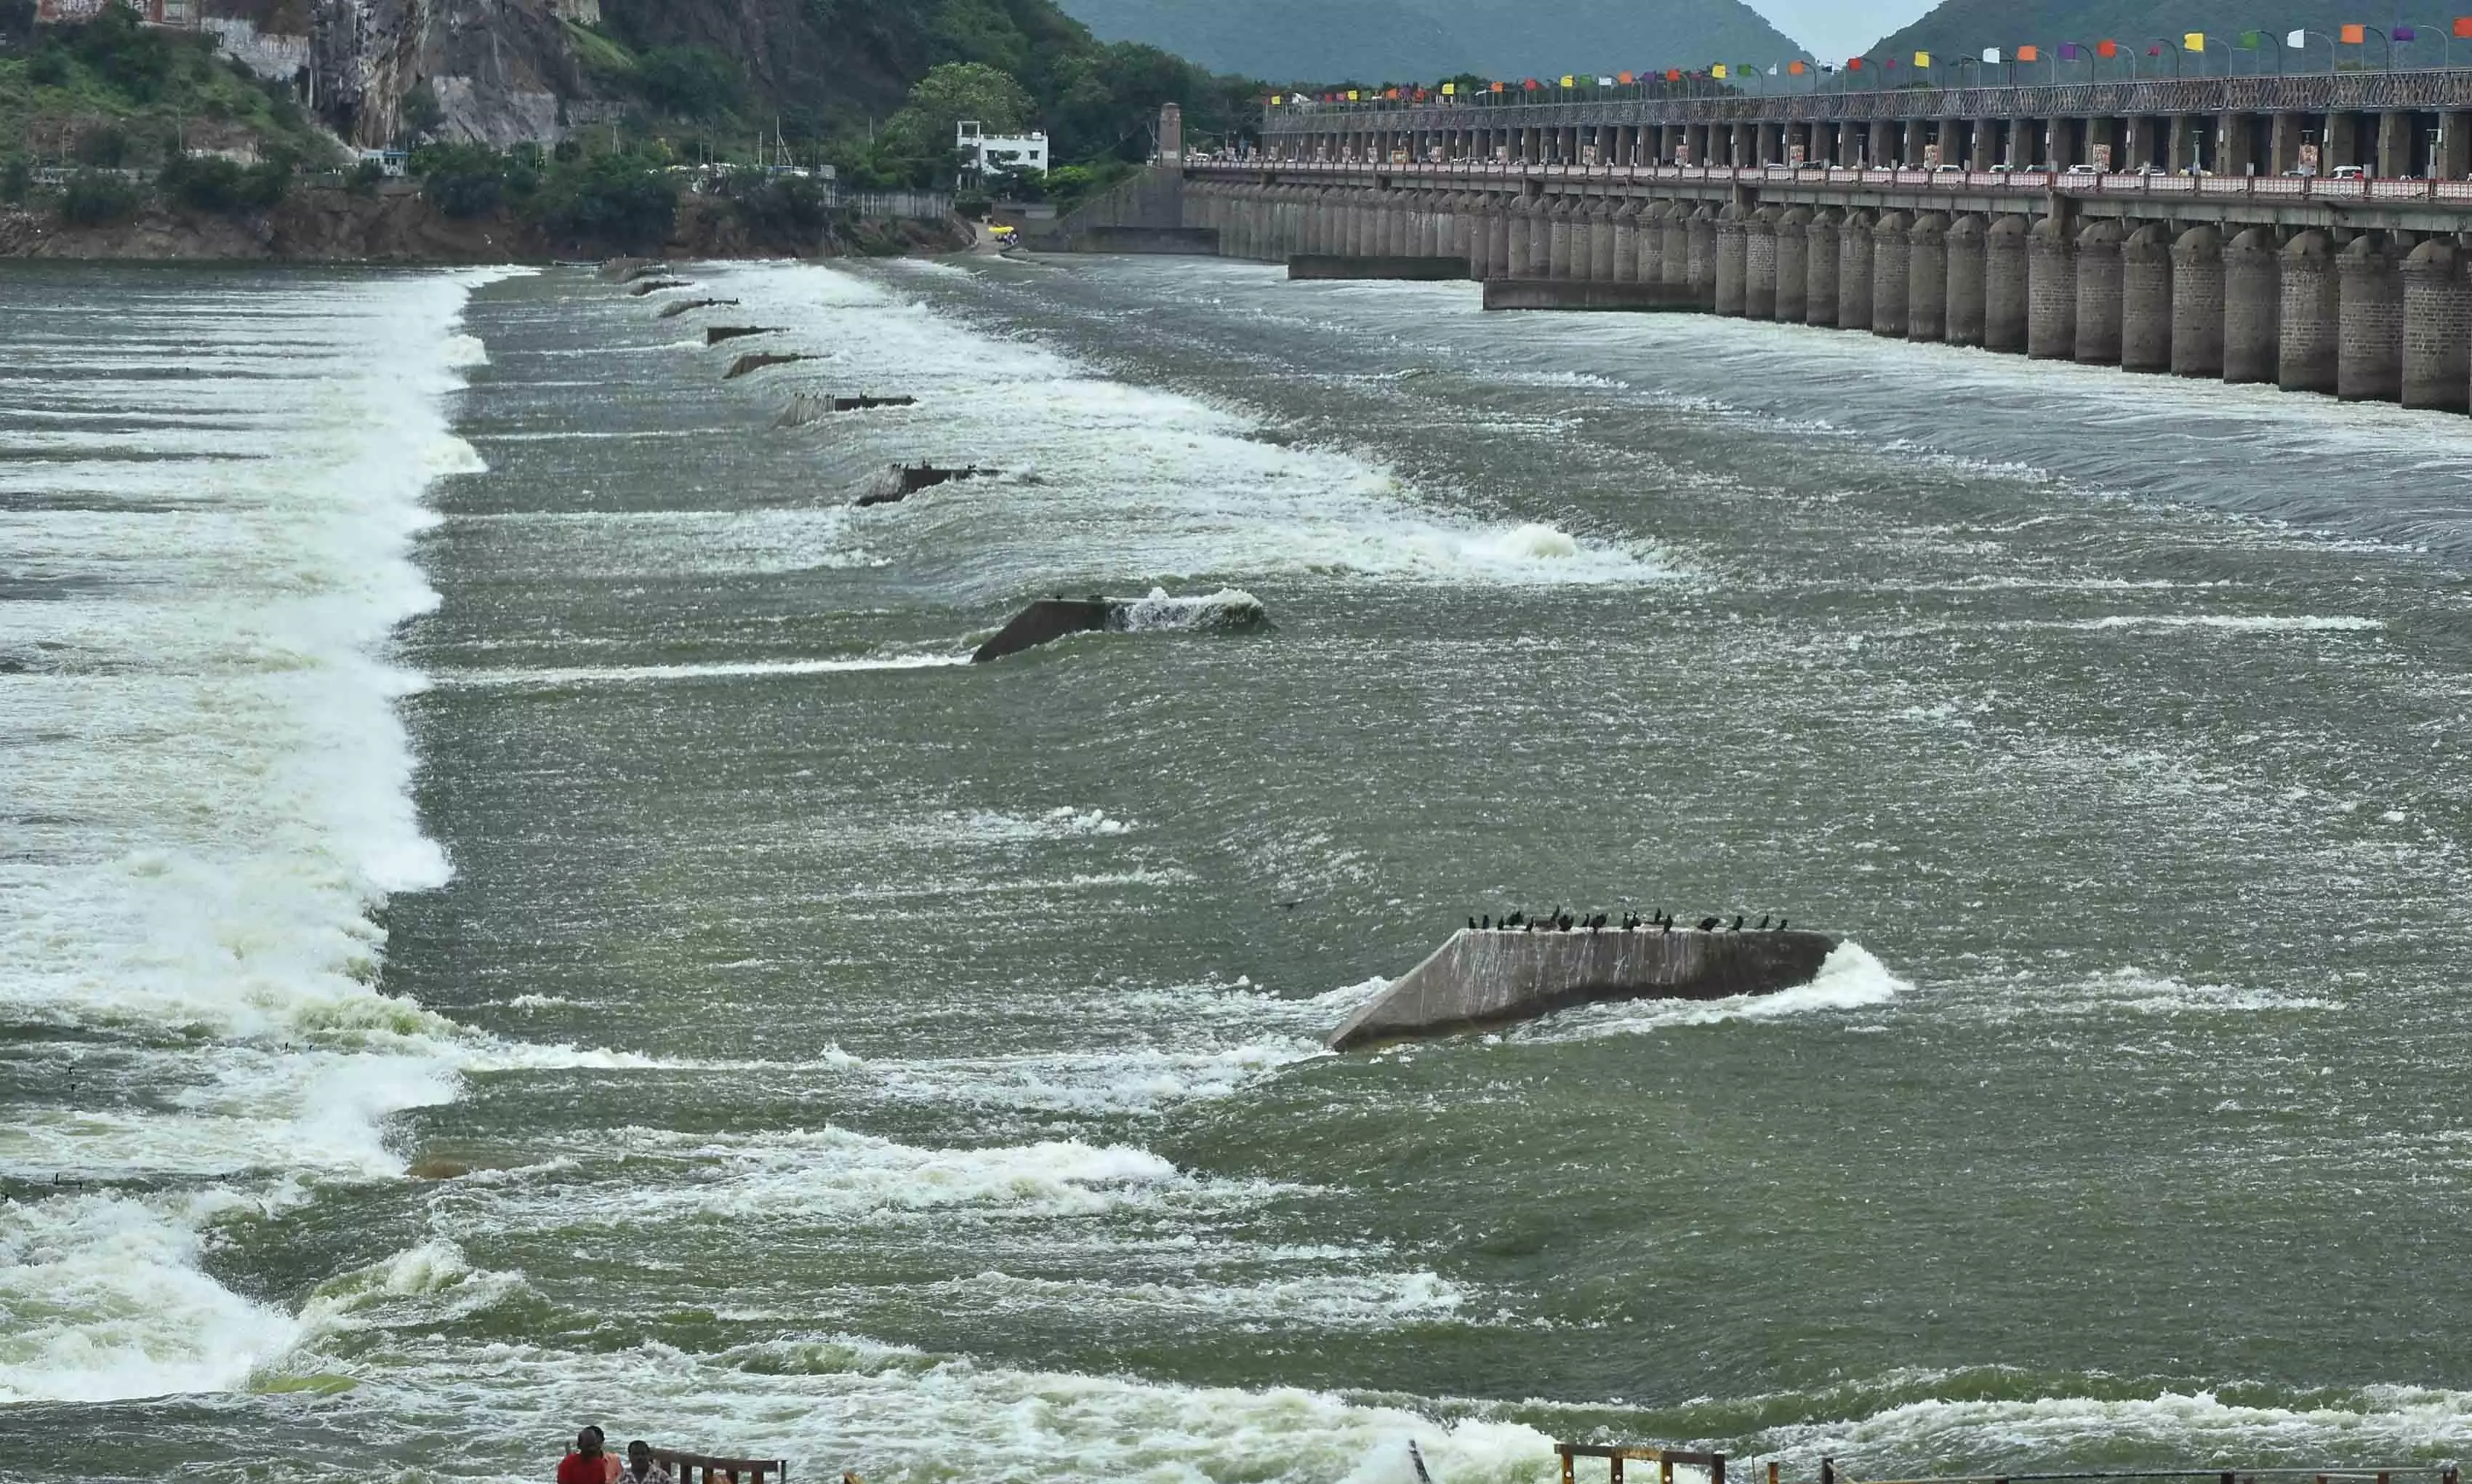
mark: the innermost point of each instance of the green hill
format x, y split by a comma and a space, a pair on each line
1404, 40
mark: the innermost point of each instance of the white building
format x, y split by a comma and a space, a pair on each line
987, 152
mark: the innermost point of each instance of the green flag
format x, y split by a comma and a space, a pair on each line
2251, 40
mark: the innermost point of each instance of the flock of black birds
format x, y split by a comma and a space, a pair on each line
1558, 920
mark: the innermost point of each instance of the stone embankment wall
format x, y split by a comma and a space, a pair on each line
2362, 314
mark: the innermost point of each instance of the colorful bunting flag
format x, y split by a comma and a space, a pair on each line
1991, 55
2296, 39
1717, 71
1626, 79
2107, 48
2403, 34
2194, 42
1853, 64
2068, 51
2354, 35
1922, 59
2030, 52
2463, 25
1796, 66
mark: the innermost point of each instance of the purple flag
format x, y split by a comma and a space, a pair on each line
2404, 34
2069, 51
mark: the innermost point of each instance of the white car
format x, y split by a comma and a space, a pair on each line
2083, 170
2350, 172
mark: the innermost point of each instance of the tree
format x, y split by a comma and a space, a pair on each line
957, 90
691, 81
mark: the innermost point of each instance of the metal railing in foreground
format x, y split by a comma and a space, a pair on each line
705, 1469
1714, 1465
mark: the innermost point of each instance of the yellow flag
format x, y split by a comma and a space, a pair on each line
2194, 42
1351, 95
1718, 70
1450, 89
1276, 100
1922, 59
1566, 80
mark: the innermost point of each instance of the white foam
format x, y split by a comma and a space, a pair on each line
2241, 623
104, 1298
657, 674
215, 736
1104, 478
1850, 979
1227, 607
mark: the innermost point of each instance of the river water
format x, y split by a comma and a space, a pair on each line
513, 914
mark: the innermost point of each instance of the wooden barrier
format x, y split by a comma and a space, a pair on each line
683, 1467
1665, 1458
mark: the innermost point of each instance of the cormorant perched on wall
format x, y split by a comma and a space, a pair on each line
1514, 919
1738, 924
1471, 924
1763, 923
1488, 921
1668, 924
1780, 927
1710, 924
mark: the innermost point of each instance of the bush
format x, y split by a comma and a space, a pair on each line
618, 199
786, 210
211, 184
92, 199
106, 148
365, 177
691, 81
17, 180
123, 53
48, 67
466, 181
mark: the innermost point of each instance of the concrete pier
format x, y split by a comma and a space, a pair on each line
2099, 294
2252, 307
1793, 280
1488, 979
1759, 260
1855, 249
1927, 279
2197, 289
2052, 290
1966, 280
2437, 327
1733, 262
1819, 274
2368, 355
1892, 247
2306, 359
2008, 284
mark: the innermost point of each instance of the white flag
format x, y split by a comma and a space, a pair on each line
1772, 69
1991, 55
2298, 40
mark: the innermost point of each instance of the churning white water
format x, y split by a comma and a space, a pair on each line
207, 511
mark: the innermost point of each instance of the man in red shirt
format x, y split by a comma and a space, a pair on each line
590, 1463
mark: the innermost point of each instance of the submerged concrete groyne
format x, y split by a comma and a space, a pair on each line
1484, 977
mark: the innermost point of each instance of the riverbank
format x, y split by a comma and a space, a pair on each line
397, 224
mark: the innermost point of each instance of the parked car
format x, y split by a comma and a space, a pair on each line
2083, 170
1948, 170
2350, 172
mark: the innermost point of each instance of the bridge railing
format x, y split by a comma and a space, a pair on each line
2007, 182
